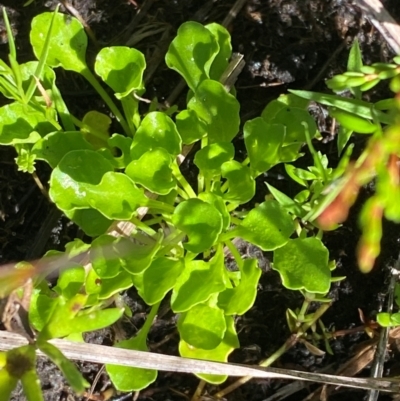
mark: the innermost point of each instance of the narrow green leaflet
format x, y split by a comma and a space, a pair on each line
218, 109
241, 184
7, 383
268, 226
195, 218
303, 265
354, 62
68, 368
68, 43
358, 107
121, 68
31, 385
153, 171
352, 122
220, 353
263, 142
192, 53
198, 281
202, 326
238, 300
157, 130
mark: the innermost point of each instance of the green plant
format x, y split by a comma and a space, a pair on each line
379, 161
179, 247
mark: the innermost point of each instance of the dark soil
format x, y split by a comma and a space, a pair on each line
286, 44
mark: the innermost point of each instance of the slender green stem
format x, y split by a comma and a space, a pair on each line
144, 331
62, 110
317, 160
158, 205
235, 253
142, 226
303, 311
182, 181
42, 60
182, 193
93, 81
130, 107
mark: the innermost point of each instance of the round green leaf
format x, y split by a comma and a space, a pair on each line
223, 39
303, 265
153, 171
268, 226
107, 287
159, 278
291, 118
68, 41
263, 142
384, 319
218, 109
220, 353
102, 257
238, 300
210, 158
202, 326
122, 143
198, 281
190, 127
192, 53
53, 147
110, 254
95, 128
116, 197
201, 222
220, 205
157, 130
70, 281
21, 123
84, 179
241, 184
91, 221
70, 180
126, 378
121, 68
